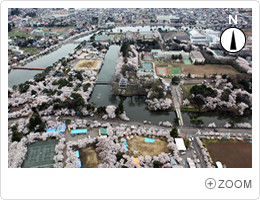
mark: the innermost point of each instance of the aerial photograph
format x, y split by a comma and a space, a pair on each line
129, 88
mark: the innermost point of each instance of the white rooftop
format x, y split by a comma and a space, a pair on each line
180, 144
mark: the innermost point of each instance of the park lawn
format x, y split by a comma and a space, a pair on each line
20, 34
186, 90
58, 30
189, 109
30, 50
209, 69
146, 148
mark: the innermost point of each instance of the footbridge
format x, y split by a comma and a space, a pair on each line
32, 68
178, 112
176, 97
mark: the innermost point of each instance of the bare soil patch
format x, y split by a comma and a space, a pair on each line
146, 148
82, 64
232, 154
208, 69
89, 158
59, 30
178, 35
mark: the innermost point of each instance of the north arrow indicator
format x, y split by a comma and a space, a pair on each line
232, 40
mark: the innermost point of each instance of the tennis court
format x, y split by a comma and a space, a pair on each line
176, 71
161, 71
40, 154
187, 61
147, 66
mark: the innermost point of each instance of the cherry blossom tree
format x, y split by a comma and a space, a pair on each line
111, 111
212, 125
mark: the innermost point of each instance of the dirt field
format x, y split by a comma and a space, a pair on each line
232, 154
178, 35
82, 64
59, 30
208, 69
146, 148
88, 157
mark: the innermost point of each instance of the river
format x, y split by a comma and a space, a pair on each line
17, 76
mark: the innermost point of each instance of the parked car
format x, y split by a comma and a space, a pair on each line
194, 151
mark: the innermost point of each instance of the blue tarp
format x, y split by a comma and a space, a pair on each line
78, 164
50, 131
126, 149
250, 141
77, 153
149, 140
61, 128
77, 131
184, 163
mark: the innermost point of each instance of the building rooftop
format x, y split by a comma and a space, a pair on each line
197, 54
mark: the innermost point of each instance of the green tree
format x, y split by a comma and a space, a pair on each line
42, 126
187, 143
67, 121
175, 80
157, 164
176, 121
31, 123
174, 132
37, 120
33, 92
70, 78
14, 87
189, 75
16, 136
9, 27
119, 156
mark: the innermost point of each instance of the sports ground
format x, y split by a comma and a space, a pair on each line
161, 71
168, 70
89, 64
88, 157
208, 69
148, 148
232, 154
40, 154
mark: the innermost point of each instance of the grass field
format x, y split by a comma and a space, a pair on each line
20, 34
30, 50
171, 70
58, 30
88, 157
208, 69
233, 154
145, 148
82, 64
186, 90
189, 109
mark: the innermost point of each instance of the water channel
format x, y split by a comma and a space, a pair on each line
17, 76
135, 107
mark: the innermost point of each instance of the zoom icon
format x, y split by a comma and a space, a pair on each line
210, 183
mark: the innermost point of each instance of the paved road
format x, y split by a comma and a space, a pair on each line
198, 153
185, 131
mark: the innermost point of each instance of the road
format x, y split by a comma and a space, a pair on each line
185, 131
198, 153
